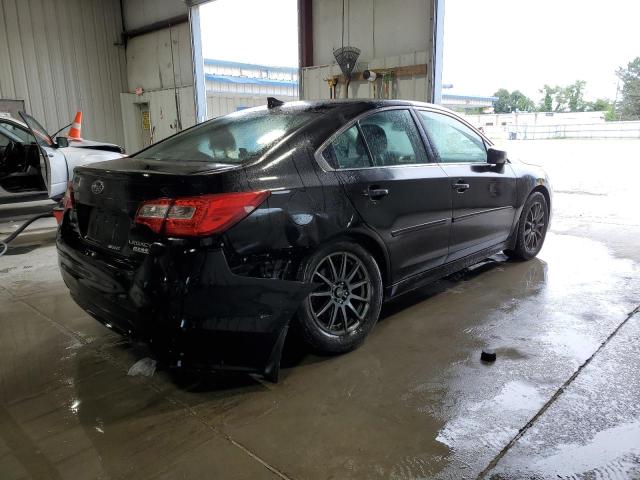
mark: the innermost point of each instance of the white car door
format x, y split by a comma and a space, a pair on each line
55, 171
53, 164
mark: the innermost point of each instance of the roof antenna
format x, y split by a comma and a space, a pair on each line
273, 102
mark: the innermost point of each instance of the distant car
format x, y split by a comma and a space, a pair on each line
209, 243
33, 165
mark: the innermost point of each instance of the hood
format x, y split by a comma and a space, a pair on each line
77, 156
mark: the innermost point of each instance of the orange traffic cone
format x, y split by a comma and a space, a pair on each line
76, 126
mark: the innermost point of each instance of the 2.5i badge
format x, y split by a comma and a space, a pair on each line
140, 247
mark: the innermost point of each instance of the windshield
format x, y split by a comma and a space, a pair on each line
38, 130
232, 139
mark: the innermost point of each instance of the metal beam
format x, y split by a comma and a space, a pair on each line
199, 88
154, 27
438, 46
305, 33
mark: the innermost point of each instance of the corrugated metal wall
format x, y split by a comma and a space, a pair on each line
59, 56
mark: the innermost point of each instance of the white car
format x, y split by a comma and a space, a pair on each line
33, 165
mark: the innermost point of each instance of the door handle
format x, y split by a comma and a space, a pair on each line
375, 193
460, 187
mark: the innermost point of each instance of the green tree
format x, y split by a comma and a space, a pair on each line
521, 103
511, 102
574, 95
548, 92
502, 105
563, 99
629, 107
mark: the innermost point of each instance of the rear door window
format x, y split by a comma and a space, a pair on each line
347, 150
393, 138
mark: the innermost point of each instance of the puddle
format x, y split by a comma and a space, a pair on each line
609, 454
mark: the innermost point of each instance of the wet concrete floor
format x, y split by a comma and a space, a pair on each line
562, 399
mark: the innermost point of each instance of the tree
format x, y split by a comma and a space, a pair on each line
629, 107
511, 102
521, 103
574, 95
503, 102
547, 100
563, 99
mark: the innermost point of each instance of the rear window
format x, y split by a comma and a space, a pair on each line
233, 139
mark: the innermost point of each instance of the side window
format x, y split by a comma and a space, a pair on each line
393, 138
454, 141
347, 150
22, 134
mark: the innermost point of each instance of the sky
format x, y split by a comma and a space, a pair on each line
523, 44
488, 44
252, 31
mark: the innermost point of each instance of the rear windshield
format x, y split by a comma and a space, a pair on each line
233, 139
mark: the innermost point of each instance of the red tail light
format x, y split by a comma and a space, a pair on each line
66, 203
198, 216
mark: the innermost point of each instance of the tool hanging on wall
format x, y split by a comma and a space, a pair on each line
387, 82
332, 82
346, 57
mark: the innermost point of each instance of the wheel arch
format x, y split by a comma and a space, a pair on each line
370, 243
545, 191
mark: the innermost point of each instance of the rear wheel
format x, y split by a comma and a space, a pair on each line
339, 314
532, 228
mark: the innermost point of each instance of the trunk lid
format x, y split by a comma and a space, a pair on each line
107, 196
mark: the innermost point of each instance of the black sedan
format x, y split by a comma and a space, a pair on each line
213, 243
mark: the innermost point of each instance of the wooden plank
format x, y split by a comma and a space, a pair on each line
407, 71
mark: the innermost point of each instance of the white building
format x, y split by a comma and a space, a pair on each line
233, 86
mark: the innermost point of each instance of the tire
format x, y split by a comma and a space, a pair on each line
341, 312
532, 228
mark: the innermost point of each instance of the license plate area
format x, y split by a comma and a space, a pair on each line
108, 229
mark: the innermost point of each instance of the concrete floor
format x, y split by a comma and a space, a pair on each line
415, 401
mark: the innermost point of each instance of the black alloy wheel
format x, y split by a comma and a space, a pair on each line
532, 228
337, 316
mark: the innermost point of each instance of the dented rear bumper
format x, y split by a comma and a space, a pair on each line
186, 304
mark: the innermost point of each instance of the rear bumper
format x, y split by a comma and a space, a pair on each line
186, 303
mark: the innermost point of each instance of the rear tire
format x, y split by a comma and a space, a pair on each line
340, 313
532, 228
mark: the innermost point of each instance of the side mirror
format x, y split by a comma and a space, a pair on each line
62, 142
496, 157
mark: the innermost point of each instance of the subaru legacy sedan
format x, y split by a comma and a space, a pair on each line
304, 217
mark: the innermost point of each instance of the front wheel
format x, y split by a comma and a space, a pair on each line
532, 228
339, 314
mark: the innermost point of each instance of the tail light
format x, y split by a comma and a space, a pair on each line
198, 216
66, 203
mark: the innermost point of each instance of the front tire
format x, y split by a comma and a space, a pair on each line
340, 313
532, 228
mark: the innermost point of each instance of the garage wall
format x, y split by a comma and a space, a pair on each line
160, 64
412, 87
140, 13
163, 113
160, 59
59, 57
379, 28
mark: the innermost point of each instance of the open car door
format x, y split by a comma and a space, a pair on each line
53, 165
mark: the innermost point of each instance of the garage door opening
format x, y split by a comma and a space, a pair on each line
250, 52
